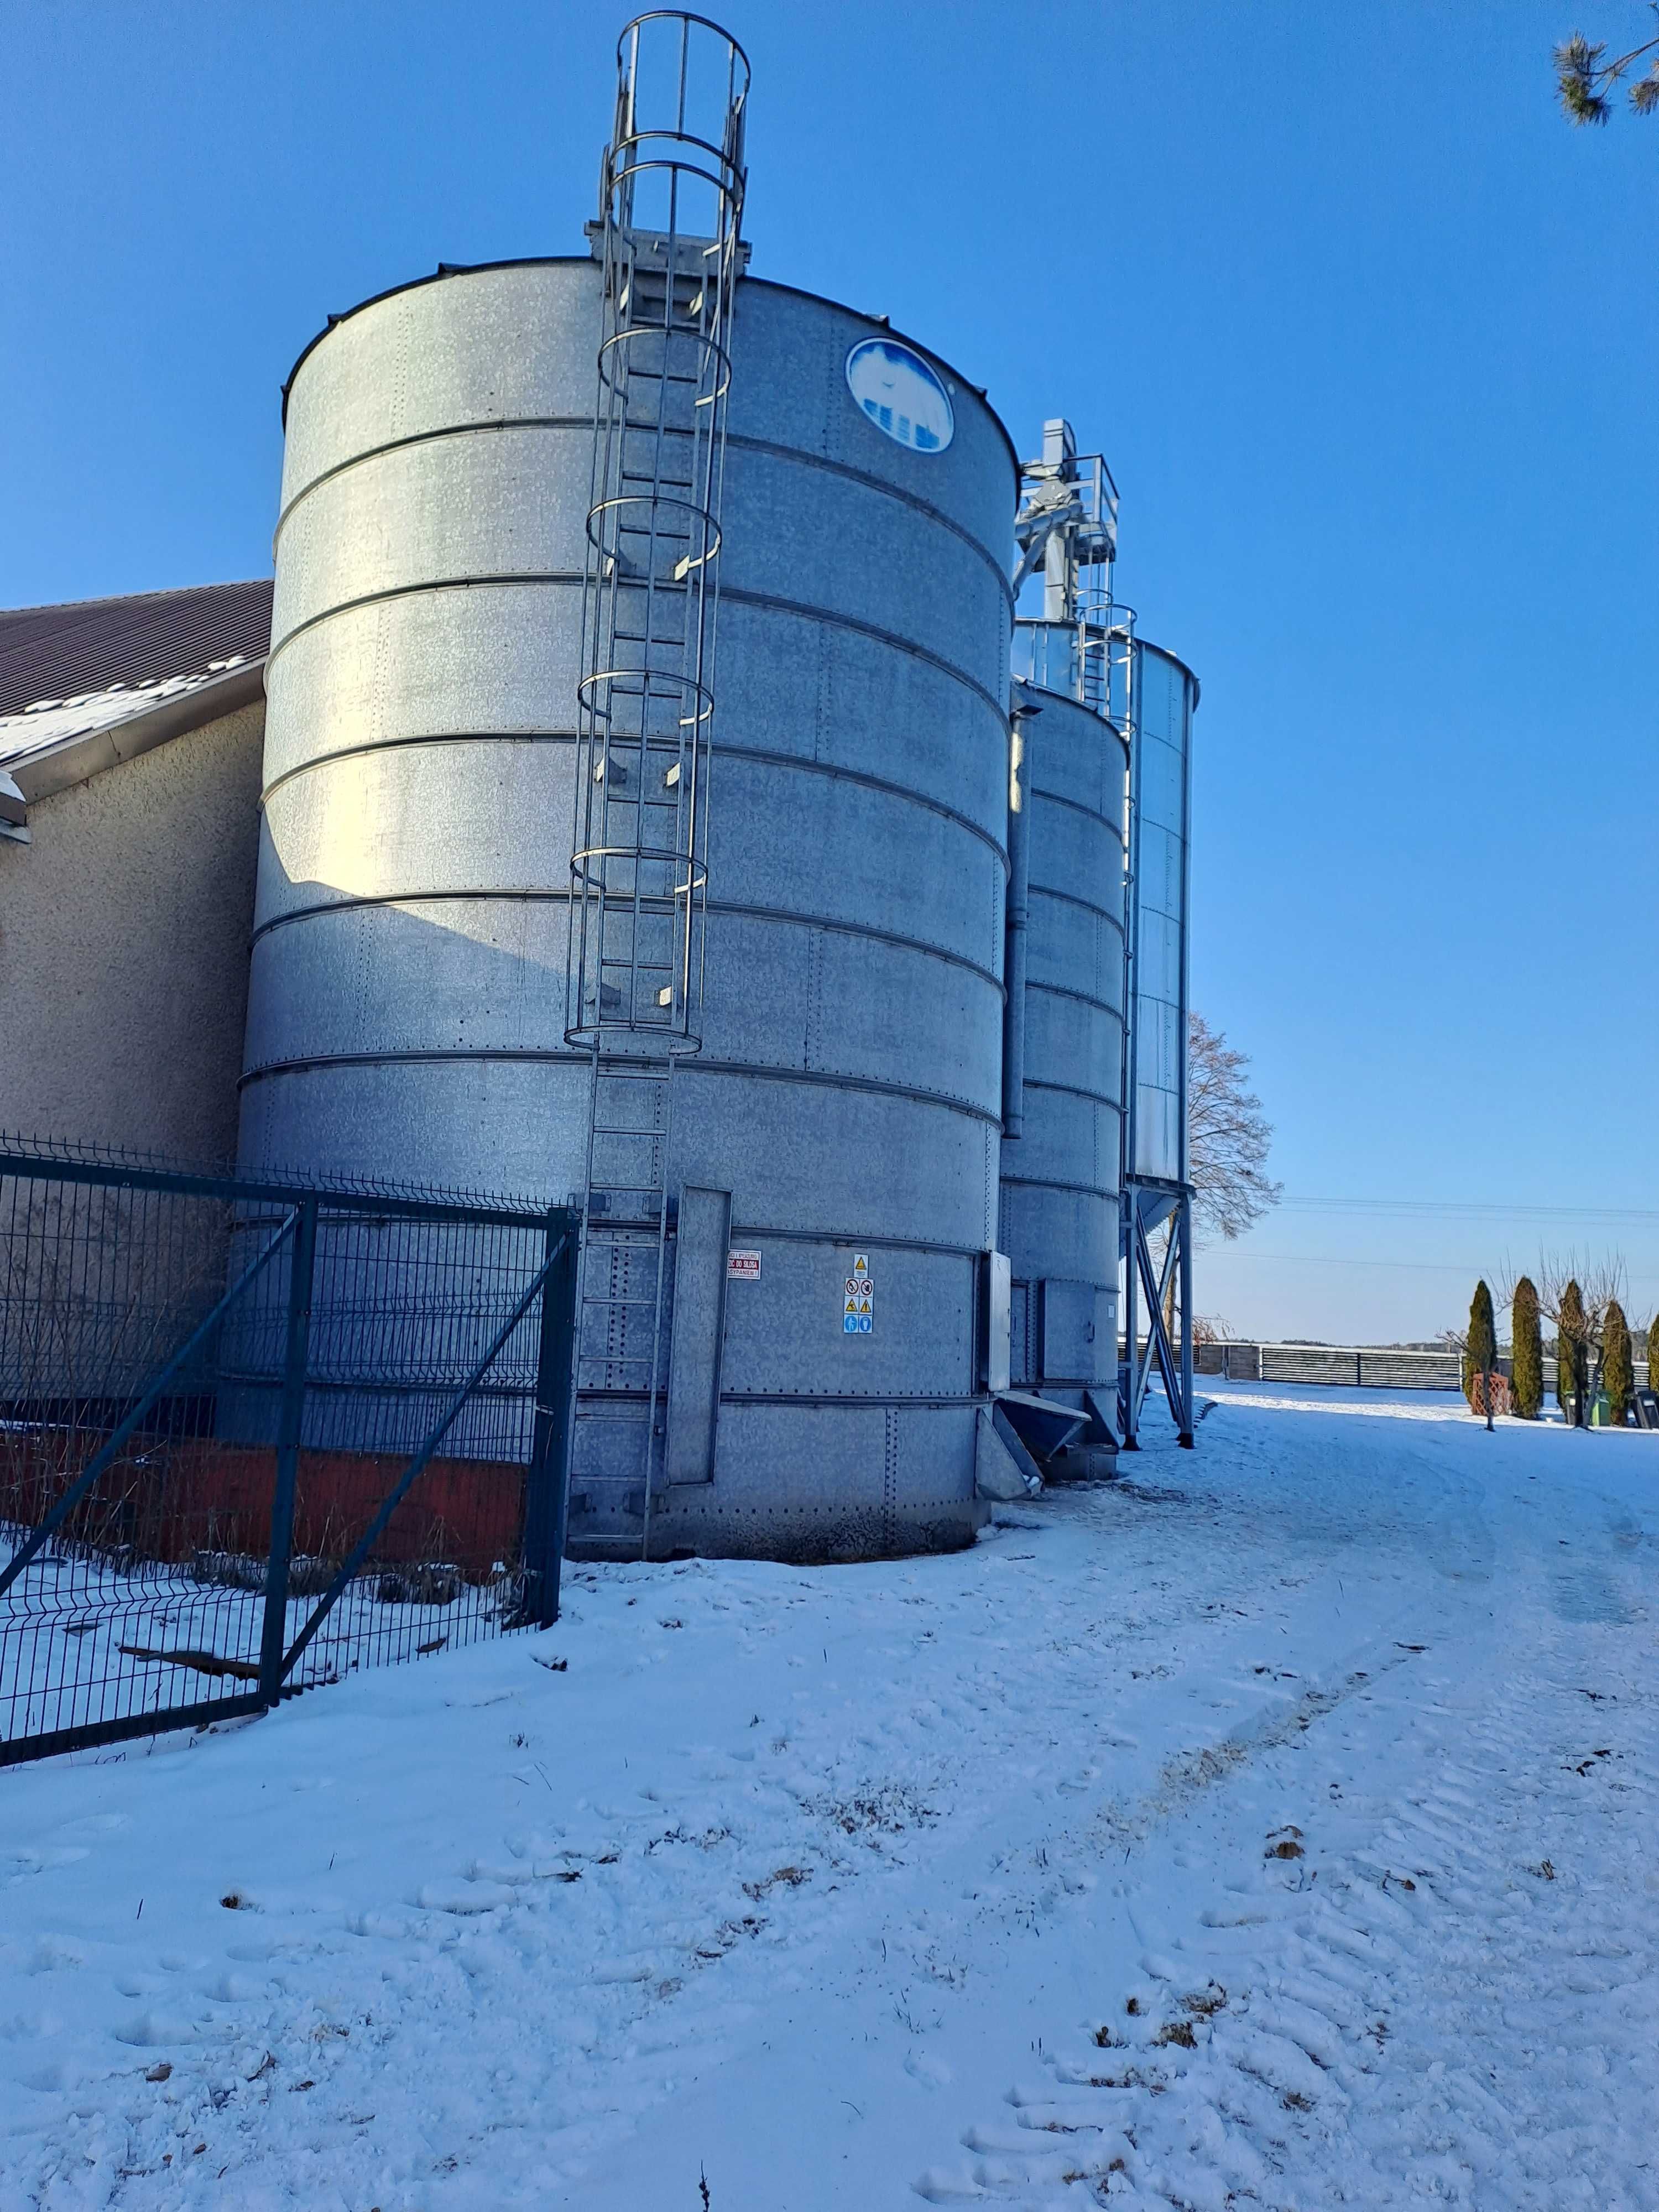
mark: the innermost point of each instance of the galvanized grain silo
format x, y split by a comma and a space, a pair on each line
414, 1008
1094, 1162
1060, 1194
1060, 1176
1157, 1193
1165, 700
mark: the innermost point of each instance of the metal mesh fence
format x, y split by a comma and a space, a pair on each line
252, 1437
1386, 1367
1383, 1367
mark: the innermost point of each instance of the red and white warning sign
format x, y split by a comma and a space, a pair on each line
741, 1266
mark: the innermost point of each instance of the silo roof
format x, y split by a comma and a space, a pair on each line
446, 269
1152, 646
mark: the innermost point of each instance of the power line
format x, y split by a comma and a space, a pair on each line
1466, 1268
1325, 1260
1483, 1208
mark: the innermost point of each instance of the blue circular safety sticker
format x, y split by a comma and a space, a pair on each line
901, 395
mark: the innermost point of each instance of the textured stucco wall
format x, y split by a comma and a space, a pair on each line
124, 948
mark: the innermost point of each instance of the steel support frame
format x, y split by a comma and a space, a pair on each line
1143, 1274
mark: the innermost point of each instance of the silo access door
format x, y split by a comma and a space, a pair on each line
697, 1334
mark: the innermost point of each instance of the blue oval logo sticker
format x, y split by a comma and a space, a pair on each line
901, 395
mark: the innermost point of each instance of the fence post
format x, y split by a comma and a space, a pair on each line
547, 1478
290, 1424
1359, 1369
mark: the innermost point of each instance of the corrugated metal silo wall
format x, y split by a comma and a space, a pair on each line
407, 999
1166, 697
1059, 1179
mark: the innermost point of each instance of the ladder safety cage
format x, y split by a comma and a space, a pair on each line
667, 240
1083, 645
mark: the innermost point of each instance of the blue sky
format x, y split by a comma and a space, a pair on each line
1368, 332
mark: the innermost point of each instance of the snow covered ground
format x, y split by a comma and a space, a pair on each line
1276, 1827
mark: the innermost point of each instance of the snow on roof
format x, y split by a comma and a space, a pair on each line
70, 672
41, 728
59, 652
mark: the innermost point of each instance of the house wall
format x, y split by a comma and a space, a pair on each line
124, 948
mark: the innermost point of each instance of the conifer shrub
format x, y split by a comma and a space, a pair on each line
1527, 1350
1482, 1353
1617, 1376
1571, 1335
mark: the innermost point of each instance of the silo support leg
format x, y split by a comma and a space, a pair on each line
1183, 1230
1176, 1373
1129, 1400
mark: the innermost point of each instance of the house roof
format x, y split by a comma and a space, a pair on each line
88, 645
85, 684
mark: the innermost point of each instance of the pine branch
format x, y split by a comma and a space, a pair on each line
1583, 78
1577, 74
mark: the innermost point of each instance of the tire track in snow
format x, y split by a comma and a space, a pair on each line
1445, 1990
1128, 1670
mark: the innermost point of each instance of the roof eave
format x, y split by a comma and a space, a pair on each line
72, 760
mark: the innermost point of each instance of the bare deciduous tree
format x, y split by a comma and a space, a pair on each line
1602, 1286
1228, 1136
1602, 1282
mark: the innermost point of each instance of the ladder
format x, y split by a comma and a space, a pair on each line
623, 1296
667, 241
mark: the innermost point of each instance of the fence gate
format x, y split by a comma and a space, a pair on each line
253, 1435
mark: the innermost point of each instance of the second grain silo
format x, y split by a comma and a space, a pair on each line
1061, 1183
1096, 1207
1156, 1191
